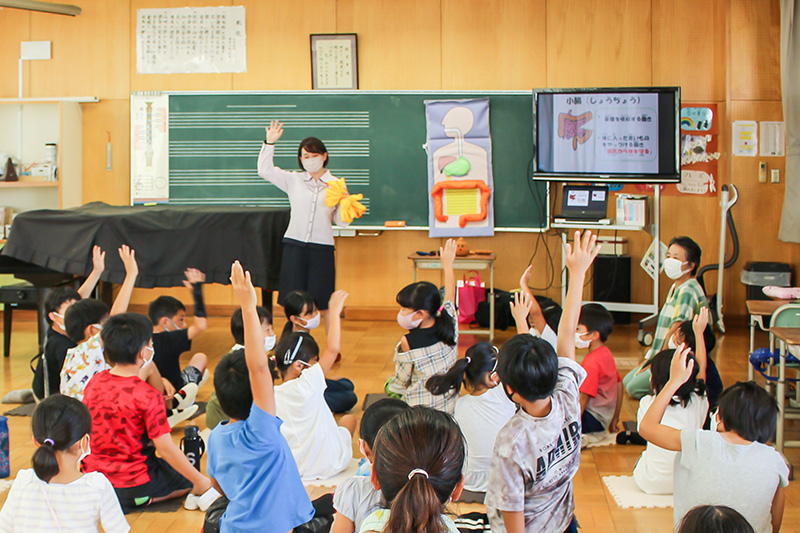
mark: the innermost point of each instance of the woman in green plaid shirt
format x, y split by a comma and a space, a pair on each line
685, 299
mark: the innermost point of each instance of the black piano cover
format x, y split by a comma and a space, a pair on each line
167, 240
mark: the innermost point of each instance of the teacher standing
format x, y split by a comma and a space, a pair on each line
308, 262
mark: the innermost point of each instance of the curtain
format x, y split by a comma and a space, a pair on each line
790, 85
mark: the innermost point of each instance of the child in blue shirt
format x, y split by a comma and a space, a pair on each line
248, 458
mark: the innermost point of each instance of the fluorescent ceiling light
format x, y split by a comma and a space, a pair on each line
45, 7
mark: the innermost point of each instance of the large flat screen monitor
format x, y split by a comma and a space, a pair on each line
607, 135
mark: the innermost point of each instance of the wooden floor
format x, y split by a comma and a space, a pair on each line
367, 360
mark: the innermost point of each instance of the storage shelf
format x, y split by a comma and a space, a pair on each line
22, 184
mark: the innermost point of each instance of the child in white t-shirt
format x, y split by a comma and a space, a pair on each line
355, 498
687, 409
481, 413
730, 465
55, 495
320, 447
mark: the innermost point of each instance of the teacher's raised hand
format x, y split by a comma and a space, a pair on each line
274, 131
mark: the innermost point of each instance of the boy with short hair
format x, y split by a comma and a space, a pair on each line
47, 376
537, 452
730, 465
601, 391
247, 456
126, 413
171, 337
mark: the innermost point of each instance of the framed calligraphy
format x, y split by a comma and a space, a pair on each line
334, 61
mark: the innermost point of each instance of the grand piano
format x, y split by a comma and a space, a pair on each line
50, 247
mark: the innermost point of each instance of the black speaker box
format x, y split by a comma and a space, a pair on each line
612, 283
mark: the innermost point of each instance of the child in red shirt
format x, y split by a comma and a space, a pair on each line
601, 391
127, 414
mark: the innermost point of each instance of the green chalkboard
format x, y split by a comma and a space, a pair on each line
374, 139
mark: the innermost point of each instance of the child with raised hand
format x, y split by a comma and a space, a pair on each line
481, 413
55, 495
47, 375
418, 459
302, 316
715, 466
172, 337
687, 409
321, 447
247, 456
83, 325
539, 326
127, 414
537, 452
355, 498
431, 344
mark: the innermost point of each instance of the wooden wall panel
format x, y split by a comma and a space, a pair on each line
174, 82
83, 62
755, 50
758, 212
399, 43
598, 44
692, 57
101, 121
15, 26
278, 45
505, 47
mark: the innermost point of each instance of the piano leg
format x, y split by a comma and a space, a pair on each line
266, 299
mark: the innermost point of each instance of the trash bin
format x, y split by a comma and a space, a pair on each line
759, 274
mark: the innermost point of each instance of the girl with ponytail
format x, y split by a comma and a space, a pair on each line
419, 454
55, 495
431, 344
480, 414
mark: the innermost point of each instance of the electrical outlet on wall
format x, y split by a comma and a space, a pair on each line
776, 175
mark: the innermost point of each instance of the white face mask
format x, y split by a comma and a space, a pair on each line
671, 343
406, 321
313, 322
579, 342
313, 164
269, 342
174, 325
152, 355
84, 454
673, 268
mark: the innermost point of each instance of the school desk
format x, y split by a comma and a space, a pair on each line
466, 262
758, 309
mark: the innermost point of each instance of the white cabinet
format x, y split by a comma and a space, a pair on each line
24, 134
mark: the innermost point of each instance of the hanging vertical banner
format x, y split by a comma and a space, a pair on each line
460, 180
149, 147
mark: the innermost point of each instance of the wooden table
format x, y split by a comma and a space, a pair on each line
464, 262
758, 309
786, 337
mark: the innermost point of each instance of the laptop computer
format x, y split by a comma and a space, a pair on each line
584, 204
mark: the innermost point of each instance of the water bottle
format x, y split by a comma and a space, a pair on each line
5, 466
192, 445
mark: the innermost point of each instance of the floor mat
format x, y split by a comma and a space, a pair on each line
628, 495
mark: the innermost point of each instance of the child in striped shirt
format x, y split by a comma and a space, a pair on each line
55, 495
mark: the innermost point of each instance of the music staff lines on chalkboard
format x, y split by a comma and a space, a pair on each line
290, 119
210, 148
